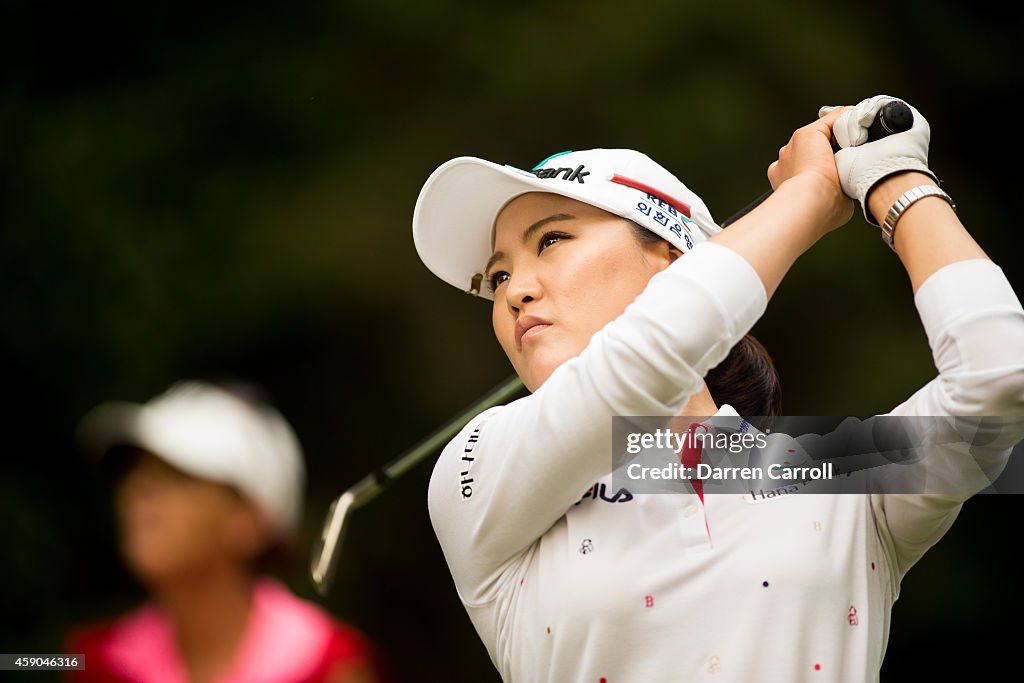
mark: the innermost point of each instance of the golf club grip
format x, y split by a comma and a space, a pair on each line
894, 117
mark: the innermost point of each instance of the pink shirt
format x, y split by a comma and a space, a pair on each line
287, 640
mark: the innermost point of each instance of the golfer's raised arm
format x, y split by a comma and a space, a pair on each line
515, 470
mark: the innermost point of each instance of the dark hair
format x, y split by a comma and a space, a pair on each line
746, 379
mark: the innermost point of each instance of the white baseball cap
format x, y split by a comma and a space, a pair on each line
213, 434
453, 224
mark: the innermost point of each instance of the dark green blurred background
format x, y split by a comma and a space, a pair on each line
226, 190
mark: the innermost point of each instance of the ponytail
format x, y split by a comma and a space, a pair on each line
747, 380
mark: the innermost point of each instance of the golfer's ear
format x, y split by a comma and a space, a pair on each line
664, 251
673, 252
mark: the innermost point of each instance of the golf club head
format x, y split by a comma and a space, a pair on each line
325, 553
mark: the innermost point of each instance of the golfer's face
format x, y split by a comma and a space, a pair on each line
172, 524
564, 269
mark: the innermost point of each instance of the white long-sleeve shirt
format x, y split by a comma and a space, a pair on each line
609, 588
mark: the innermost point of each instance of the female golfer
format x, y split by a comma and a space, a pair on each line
614, 293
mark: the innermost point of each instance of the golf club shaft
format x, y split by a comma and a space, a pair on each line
369, 487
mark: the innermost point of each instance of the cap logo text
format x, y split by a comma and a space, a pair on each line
569, 174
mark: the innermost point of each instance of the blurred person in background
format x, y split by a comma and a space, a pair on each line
209, 487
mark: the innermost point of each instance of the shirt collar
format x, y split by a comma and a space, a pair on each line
727, 410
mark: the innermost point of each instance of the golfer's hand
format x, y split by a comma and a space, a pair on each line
863, 165
808, 156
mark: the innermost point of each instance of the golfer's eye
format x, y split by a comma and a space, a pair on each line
550, 238
496, 279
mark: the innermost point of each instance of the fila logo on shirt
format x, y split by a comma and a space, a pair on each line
569, 174
600, 492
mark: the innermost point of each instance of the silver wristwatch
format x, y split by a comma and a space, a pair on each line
901, 205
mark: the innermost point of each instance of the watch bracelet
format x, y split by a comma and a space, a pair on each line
904, 202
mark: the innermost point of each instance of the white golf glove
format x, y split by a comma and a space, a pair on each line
861, 164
